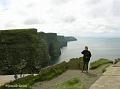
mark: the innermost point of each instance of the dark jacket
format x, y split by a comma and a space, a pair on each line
86, 54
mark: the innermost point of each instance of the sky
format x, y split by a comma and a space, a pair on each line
97, 18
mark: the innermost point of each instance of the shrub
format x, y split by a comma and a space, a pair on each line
96, 64
45, 74
28, 81
51, 71
75, 63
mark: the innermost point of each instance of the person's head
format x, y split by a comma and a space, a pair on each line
86, 47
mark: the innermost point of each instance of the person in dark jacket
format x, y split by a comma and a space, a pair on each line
86, 58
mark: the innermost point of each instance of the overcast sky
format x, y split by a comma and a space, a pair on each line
68, 17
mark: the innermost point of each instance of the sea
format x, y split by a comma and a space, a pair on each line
108, 48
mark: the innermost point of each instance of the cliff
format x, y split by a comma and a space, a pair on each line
27, 51
62, 41
54, 46
55, 43
70, 38
22, 50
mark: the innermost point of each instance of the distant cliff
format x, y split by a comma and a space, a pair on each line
70, 38
27, 51
52, 44
62, 41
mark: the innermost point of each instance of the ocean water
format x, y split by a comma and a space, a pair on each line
100, 48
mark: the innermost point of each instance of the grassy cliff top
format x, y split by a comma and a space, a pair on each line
18, 36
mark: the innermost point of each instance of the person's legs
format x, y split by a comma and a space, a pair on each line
83, 68
86, 66
87, 63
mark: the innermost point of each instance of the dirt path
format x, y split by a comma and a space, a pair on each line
87, 79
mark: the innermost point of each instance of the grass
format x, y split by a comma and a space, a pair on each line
46, 74
74, 83
96, 64
28, 80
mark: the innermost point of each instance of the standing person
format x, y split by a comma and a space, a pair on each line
86, 58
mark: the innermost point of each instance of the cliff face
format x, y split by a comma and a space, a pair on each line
43, 50
21, 50
62, 41
27, 51
54, 43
